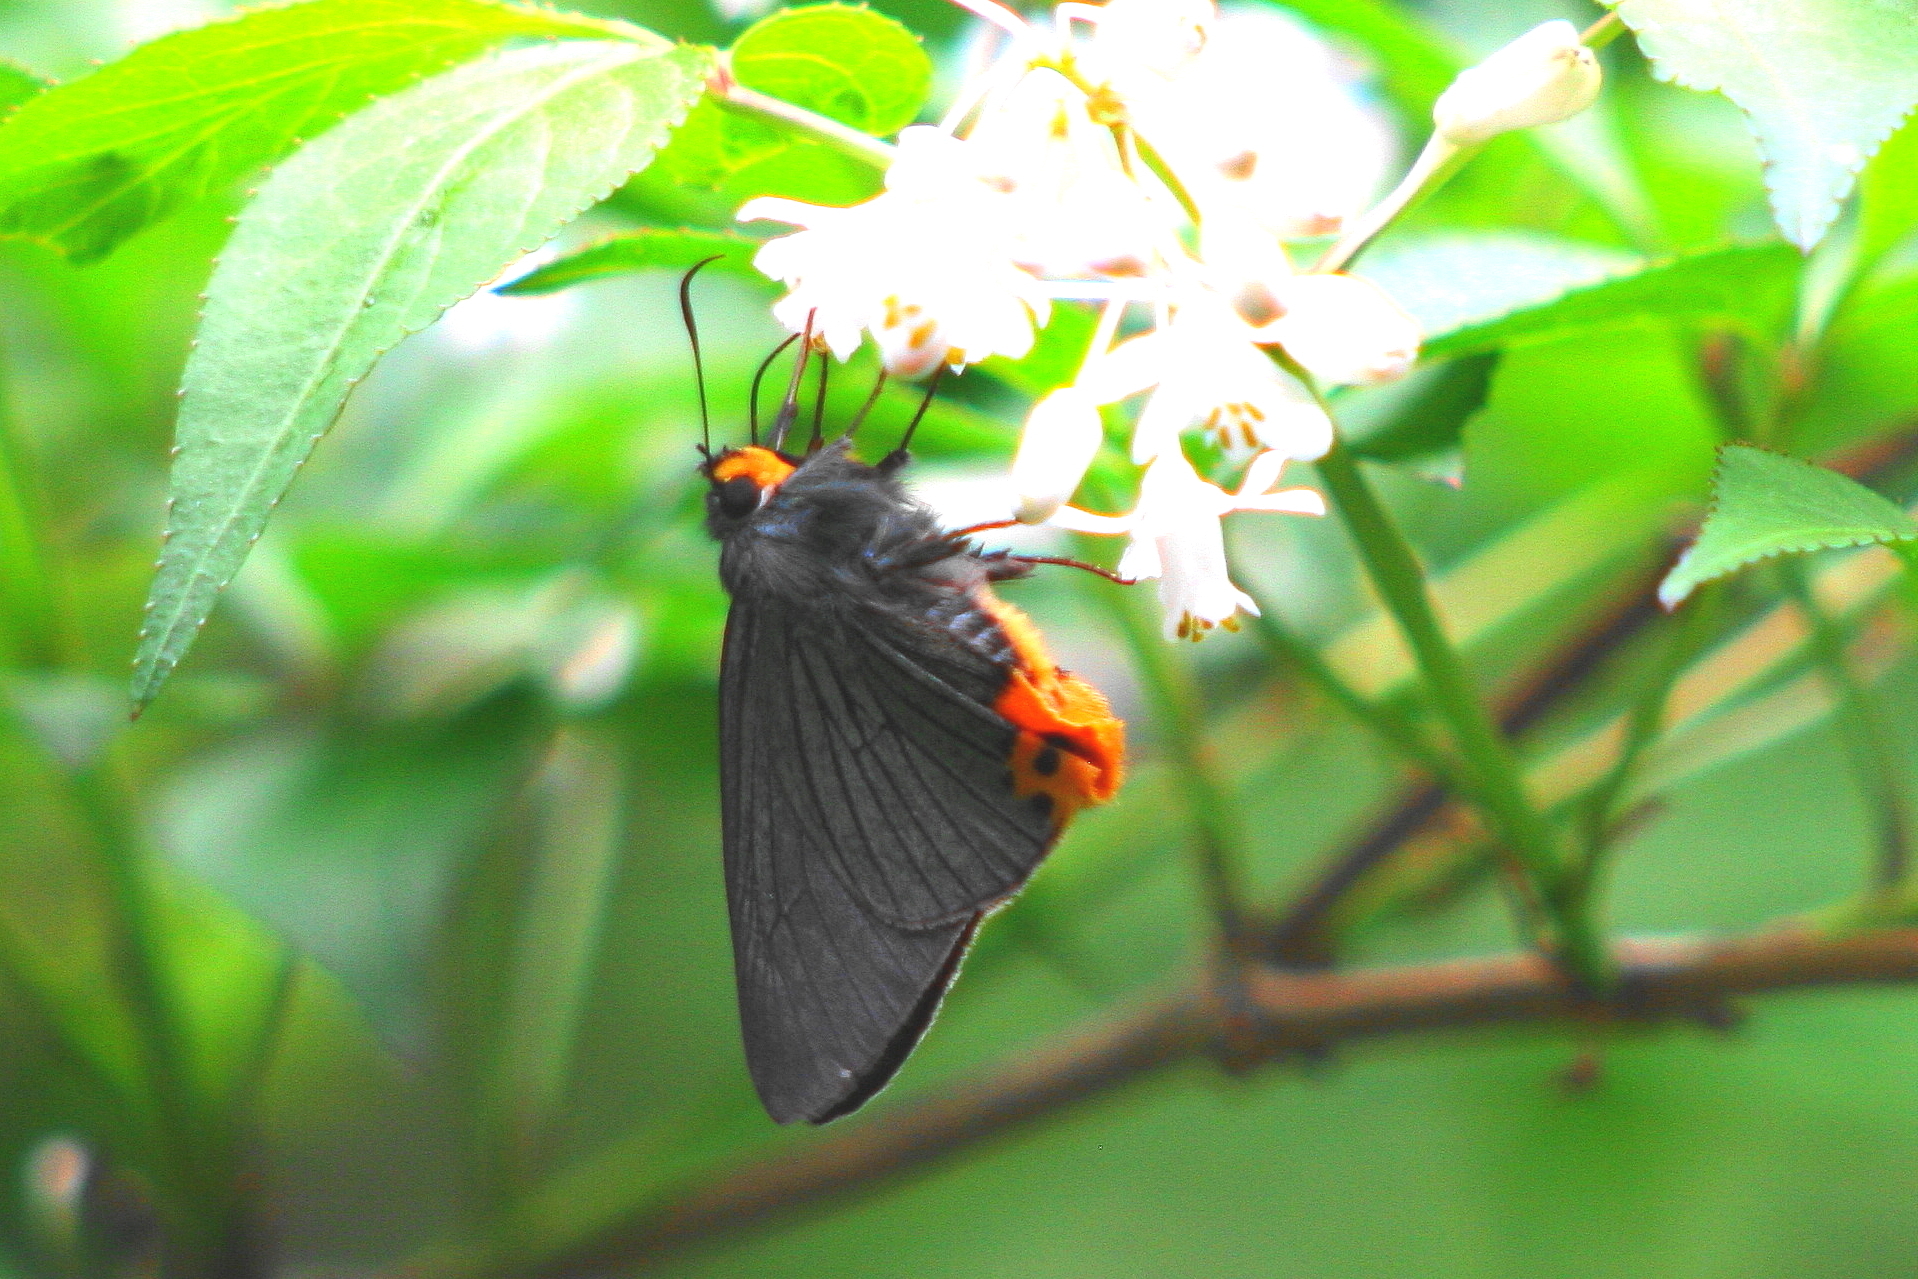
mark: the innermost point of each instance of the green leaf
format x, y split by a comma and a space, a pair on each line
1888, 196
17, 86
1751, 286
859, 67
636, 251
1764, 504
1480, 292
367, 235
1452, 281
1865, 381
90, 163
1430, 414
1414, 64
1822, 83
852, 65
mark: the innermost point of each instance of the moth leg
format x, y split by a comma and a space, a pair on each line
1026, 561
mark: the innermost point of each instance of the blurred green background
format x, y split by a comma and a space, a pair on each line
436, 795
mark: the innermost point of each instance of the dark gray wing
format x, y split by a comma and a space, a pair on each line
869, 821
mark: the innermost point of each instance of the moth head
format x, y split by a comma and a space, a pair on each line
742, 481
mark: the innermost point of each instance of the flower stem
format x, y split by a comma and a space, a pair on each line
1867, 739
1123, 131
734, 96
1492, 769
1391, 728
1163, 171
1602, 32
1434, 167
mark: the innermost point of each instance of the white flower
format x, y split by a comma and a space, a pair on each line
1061, 437
1177, 537
1244, 263
1161, 37
1151, 156
1205, 370
1266, 122
1343, 330
926, 266
1544, 76
1076, 212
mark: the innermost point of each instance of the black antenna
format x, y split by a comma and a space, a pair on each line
789, 406
752, 400
699, 365
819, 409
932, 387
859, 418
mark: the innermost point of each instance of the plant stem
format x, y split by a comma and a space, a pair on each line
1642, 726
1493, 770
1434, 167
1392, 729
637, 1226
1163, 171
1217, 831
731, 94
196, 1205
1866, 737
29, 601
1602, 32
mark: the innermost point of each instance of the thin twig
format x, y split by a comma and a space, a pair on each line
1643, 723
1866, 738
1490, 766
1658, 981
1434, 167
1392, 729
731, 94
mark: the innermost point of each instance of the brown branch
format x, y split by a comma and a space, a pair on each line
1292, 1013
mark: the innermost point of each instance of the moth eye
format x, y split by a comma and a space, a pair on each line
738, 497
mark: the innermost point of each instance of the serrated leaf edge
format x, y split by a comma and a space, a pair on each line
151, 668
1670, 601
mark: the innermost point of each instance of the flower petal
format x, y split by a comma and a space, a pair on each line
1544, 76
1061, 437
1344, 330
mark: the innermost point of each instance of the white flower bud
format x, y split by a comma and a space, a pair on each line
1062, 435
1542, 77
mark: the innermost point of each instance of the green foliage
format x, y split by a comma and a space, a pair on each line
1458, 281
1764, 504
851, 65
1430, 415
95, 161
392, 939
365, 236
1888, 192
1750, 289
1822, 81
17, 85
636, 251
